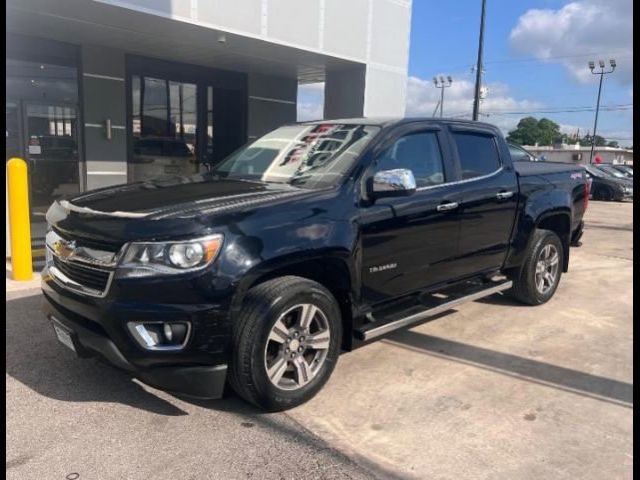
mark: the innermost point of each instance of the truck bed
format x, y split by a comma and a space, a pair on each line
524, 168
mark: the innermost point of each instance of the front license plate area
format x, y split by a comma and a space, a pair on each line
64, 335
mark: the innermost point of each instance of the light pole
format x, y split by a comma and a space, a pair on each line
442, 85
602, 73
476, 98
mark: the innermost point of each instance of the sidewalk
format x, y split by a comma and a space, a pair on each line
15, 286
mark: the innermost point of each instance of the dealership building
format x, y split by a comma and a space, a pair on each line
103, 92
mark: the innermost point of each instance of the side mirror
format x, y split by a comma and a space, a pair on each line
394, 183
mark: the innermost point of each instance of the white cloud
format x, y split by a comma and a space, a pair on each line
423, 96
310, 111
578, 32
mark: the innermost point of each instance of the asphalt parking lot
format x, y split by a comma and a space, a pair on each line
492, 390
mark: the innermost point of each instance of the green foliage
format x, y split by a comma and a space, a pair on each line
531, 131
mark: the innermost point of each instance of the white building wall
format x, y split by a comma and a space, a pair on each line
370, 32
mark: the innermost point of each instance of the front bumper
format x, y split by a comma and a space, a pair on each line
98, 329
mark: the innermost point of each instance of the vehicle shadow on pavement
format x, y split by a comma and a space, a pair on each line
36, 359
501, 300
535, 371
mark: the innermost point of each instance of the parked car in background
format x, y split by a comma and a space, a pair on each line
627, 170
611, 170
608, 187
160, 156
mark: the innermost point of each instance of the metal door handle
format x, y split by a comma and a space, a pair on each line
504, 195
444, 207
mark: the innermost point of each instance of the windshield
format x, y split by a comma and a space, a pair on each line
612, 171
596, 172
308, 156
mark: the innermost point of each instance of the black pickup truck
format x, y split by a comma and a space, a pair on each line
312, 240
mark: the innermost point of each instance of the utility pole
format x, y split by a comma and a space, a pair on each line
602, 73
476, 98
442, 85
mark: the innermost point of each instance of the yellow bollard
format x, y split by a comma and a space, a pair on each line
19, 224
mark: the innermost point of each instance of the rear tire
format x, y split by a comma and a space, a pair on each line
286, 341
538, 279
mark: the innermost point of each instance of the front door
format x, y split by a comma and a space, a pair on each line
409, 242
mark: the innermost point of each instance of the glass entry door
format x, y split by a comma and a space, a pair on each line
42, 128
164, 124
183, 119
52, 154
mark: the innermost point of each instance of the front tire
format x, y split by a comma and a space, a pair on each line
539, 277
286, 341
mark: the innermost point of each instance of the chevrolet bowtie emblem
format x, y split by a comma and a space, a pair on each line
64, 249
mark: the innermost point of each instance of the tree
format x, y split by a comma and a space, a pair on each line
587, 139
526, 133
613, 144
549, 132
531, 131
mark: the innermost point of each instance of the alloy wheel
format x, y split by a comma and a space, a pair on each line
547, 269
297, 346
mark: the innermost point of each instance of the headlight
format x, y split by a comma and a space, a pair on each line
145, 259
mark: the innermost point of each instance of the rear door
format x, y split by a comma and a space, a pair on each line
489, 200
408, 243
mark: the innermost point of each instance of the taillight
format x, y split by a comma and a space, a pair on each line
587, 185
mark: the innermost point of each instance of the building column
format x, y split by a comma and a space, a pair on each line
344, 92
272, 103
104, 98
364, 91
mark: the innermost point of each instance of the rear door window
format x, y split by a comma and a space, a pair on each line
478, 154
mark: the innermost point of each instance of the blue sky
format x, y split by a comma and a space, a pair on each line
535, 54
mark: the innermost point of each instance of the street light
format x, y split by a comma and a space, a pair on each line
602, 73
440, 83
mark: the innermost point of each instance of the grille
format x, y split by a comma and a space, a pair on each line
87, 277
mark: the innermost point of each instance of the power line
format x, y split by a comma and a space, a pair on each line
613, 107
568, 110
536, 59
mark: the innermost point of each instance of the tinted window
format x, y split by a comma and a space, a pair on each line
419, 153
478, 154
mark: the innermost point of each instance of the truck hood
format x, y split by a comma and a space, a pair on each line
164, 207
174, 195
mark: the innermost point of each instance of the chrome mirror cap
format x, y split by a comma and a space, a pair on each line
396, 182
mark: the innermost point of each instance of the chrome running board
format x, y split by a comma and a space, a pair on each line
381, 327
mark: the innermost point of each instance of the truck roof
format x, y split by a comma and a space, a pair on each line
391, 121
385, 122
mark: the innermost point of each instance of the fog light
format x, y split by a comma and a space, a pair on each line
167, 332
160, 335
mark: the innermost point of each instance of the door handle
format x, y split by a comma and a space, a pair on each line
445, 207
504, 195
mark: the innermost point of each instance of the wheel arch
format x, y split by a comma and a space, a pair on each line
558, 222
332, 272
